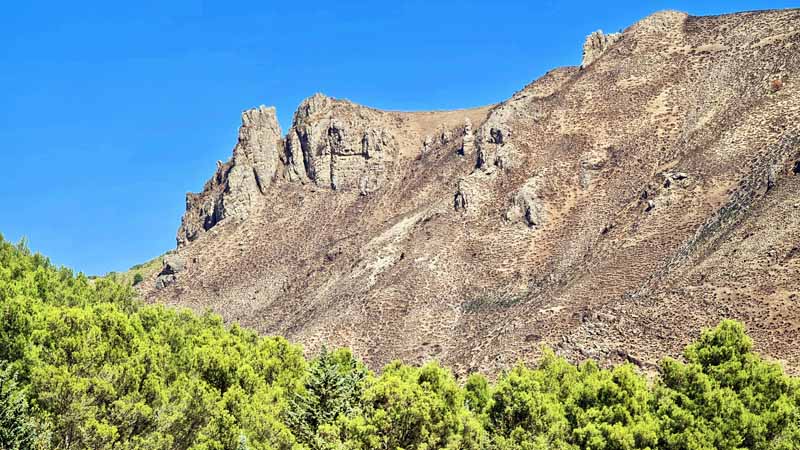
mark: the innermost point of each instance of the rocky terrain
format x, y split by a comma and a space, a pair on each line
609, 210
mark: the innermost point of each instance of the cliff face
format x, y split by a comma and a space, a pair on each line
236, 186
341, 146
608, 210
332, 145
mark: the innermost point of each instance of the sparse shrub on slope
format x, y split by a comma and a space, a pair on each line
775, 85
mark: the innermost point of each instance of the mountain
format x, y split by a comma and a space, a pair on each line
608, 210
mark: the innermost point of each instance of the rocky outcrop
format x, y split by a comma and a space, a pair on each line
596, 44
255, 161
675, 178
259, 145
468, 141
526, 206
461, 197
204, 210
342, 146
236, 185
332, 144
494, 147
473, 191
171, 266
591, 164
775, 163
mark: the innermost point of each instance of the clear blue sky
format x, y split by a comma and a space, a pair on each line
111, 111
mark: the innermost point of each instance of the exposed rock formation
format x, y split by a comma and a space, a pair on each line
172, 265
333, 144
474, 191
591, 164
527, 206
596, 44
234, 189
604, 211
468, 140
340, 150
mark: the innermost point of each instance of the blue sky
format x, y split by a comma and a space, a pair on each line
111, 111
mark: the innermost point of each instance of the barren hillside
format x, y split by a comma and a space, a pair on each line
609, 210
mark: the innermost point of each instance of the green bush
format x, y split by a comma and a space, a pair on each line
17, 427
104, 371
137, 278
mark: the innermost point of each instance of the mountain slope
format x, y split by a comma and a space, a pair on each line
607, 210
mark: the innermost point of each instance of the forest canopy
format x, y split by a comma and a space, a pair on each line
85, 365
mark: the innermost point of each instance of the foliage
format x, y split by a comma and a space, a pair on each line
88, 366
137, 278
726, 396
17, 427
413, 408
106, 372
333, 389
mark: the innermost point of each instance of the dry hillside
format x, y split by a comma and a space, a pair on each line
609, 210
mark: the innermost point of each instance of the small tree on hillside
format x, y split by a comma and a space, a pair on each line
333, 388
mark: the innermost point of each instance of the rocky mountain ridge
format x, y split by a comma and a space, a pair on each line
608, 210
332, 144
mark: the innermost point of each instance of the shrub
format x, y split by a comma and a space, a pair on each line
137, 278
17, 430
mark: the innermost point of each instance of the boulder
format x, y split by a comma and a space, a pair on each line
173, 264
672, 177
163, 281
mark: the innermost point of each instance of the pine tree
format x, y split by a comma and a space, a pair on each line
333, 387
